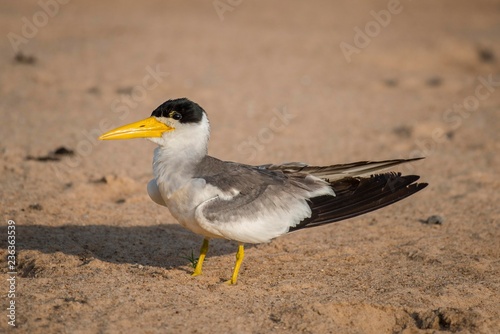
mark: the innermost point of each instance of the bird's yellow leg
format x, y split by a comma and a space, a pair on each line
203, 252
239, 259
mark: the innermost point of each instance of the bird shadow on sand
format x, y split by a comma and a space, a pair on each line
163, 246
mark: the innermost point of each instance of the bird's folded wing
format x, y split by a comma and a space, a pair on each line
265, 203
154, 193
271, 200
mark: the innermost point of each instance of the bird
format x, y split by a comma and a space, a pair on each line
252, 204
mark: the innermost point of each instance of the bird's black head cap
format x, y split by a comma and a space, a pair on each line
182, 110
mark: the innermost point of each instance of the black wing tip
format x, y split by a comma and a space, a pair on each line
423, 184
383, 190
407, 191
419, 186
404, 184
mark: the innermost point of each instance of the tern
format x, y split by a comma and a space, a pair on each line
252, 204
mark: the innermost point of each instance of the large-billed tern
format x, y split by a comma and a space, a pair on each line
252, 204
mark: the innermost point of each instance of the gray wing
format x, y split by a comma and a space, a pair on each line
272, 200
266, 202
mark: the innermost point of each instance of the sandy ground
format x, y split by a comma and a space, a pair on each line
96, 255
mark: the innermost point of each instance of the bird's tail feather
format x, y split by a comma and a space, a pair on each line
340, 171
359, 195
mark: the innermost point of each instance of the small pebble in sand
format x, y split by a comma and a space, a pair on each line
434, 81
21, 58
63, 151
486, 55
35, 206
434, 220
53, 155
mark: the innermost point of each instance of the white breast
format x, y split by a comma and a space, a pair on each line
184, 202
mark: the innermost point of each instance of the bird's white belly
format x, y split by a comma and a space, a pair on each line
183, 203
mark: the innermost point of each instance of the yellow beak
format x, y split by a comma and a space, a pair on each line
147, 128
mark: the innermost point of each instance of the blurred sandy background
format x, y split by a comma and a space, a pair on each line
319, 81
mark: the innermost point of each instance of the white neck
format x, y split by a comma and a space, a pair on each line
178, 154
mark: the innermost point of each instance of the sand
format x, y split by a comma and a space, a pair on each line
319, 81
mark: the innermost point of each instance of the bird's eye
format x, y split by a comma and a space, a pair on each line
175, 115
